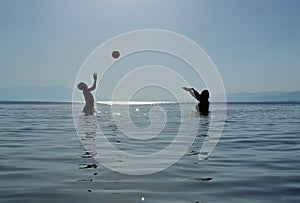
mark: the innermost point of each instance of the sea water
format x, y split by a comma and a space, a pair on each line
257, 158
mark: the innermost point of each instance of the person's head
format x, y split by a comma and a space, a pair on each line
205, 94
82, 86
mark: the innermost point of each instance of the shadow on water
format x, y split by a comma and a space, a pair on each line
87, 132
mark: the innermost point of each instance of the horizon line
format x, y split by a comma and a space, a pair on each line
131, 102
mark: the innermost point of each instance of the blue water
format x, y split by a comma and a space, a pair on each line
257, 158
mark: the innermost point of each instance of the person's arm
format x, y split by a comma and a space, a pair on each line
197, 95
190, 90
95, 81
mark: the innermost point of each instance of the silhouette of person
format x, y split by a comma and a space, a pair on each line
89, 108
203, 105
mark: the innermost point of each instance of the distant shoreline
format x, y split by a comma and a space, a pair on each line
145, 102
62, 94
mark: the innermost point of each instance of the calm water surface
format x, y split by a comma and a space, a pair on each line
256, 160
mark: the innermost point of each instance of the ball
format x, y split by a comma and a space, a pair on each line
115, 54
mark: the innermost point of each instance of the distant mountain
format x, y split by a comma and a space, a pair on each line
61, 93
272, 96
51, 93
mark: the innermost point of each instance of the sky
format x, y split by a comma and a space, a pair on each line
255, 44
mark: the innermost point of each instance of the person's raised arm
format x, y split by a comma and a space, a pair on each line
197, 95
190, 90
95, 81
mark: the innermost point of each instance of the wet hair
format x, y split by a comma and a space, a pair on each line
205, 94
82, 86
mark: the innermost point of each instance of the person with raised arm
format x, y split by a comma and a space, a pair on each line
89, 108
203, 105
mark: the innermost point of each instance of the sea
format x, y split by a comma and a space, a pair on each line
45, 158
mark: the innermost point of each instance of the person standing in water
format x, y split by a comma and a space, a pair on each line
89, 108
203, 105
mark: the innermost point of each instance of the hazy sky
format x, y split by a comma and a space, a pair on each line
254, 44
